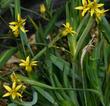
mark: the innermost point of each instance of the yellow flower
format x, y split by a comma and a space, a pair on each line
15, 26
67, 29
28, 64
14, 78
84, 8
92, 7
42, 9
95, 7
99, 15
13, 92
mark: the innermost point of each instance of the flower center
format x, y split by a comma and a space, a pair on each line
69, 29
13, 92
93, 5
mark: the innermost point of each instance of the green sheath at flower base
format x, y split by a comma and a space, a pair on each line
67, 29
28, 64
15, 26
13, 92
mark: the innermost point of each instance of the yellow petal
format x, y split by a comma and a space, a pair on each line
18, 87
28, 60
23, 61
73, 32
6, 94
7, 87
13, 95
79, 8
14, 85
13, 23
84, 2
22, 64
34, 62
84, 12
18, 94
23, 20
100, 5
98, 11
13, 28
89, 1
22, 29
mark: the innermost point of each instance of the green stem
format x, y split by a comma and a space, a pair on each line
27, 43
45, 48
83, 82
42, 85
17, 8
22, 41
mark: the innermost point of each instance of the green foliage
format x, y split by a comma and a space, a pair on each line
72, 70
6, 55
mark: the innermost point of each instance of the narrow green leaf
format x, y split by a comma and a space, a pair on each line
4, 57
51, 24
12, 104
106, 28
60, 63
45, 94
17, 8
49, 3
42, 85
5, 3
25, 42
83, 36
32, 82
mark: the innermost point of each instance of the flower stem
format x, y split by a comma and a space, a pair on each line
45, 48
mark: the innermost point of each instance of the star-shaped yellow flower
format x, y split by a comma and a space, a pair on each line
14, 78
28, 64
93, 8
15, 26
42, 8
67, 29
100, 14
13, 92
84, 8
